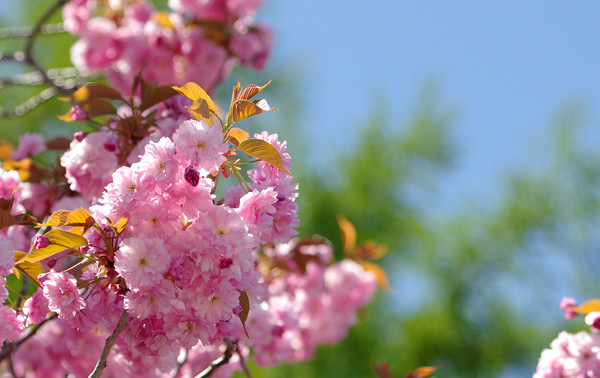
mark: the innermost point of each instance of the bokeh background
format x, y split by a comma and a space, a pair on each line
463, 135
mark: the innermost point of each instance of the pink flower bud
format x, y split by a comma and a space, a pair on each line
567, 304
79, 136
110, 144
192, 176
78, 114
41, 241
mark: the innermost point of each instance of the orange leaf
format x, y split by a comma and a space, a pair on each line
592, 305
382, 278
370, 250
200, 111
195, 92
348, 234
422, 372
31, 270
243, 109
162, 19
237, 136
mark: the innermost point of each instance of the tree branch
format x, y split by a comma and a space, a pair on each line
242, 361
110, 341
9, 348
224, 359
181, 363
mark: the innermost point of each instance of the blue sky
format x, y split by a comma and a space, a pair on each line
505, 68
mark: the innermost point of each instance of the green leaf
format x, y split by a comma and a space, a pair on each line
31, 270
60, 240
264, 151
245, 304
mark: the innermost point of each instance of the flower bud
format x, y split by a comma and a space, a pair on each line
79, 136
192, 176
110, 145
40, 241
78, 114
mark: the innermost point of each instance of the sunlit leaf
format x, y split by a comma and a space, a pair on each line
382, 370
152, 94
195, 92
237, 136
93, 91
120, 225
162, 19
5, 149
245, 304
593, 305
58, 218
251, 90
264, 151
60, 240
243, 109
382, 278
348, 234
31, 270
200, 111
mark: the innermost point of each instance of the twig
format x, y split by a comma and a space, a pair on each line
242, 361
110, 341
181, 363
29, 46
9, 348
30, 104
27, 31
224, 359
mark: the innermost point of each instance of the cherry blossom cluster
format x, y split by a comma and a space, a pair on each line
571, 355
198, 41
306, 305
179, 265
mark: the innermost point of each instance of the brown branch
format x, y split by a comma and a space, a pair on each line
181, 363
29, 59
27, 31
110, 341
242, 361
224, 359
9, 348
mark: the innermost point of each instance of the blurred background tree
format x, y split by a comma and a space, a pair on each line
476, 289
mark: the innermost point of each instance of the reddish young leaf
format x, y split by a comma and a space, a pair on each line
382, 370
250, 91
152, 94
58, 143
93, 91
264, 151
245, 304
